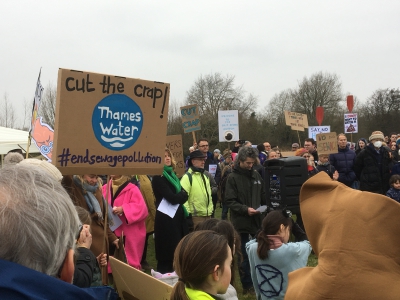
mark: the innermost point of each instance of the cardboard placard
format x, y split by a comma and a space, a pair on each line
228, 125
297, 121
174, 143
135, 284
190, 118
350, 123
327, 143
109, 125
288, 153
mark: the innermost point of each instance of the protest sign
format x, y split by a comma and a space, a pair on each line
135, 284
327, 143
174, 144
297, 121
190, 118
314, 130
109, 125
228, 125
350, 123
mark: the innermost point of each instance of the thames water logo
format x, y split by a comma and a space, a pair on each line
117, 122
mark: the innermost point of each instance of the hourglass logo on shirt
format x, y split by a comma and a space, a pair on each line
117, 122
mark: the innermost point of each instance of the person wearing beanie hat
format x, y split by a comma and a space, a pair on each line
44, 165
13, 158
372, 166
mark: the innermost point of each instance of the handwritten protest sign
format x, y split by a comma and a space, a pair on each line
350, 123
228, 125
174, 144
109, 125
327, 143
190, 118
314, 130
297, 121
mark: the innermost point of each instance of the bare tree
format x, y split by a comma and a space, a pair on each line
213, 93
320, 89
7, 113
47, 108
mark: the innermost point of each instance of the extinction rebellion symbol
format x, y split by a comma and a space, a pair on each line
117, 122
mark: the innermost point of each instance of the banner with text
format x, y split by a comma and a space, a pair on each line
228, 125
327, 143
174, 144
314, 130
297, 121
190, 118
350, 123
109, 125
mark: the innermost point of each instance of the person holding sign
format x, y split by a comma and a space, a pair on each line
127, 203
85, 191
170, 225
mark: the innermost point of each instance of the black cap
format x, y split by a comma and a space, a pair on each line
195, 154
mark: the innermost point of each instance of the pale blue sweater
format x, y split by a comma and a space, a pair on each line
270, 276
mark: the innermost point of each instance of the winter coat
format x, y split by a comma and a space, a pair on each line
394, 194
97, 227
373, 176
148, 196
328, 169
20, 283
133, 219
168, 231
244, 189
343, 161
199, 203
85, 267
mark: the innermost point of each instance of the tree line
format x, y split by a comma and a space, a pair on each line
214, 92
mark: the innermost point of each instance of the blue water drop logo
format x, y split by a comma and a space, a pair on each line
117, 122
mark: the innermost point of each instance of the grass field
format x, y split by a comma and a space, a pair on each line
151, 258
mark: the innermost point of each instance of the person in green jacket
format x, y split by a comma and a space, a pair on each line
244, 193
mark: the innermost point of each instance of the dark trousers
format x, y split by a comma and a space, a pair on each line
244, 267
225, 210
145, 246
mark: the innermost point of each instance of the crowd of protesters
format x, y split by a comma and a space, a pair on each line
234, 177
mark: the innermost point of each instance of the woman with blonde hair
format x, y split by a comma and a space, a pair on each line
168, 230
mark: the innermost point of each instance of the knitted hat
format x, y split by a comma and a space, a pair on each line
217, 150
300, 152
295, 145
376, 135
13, 158
44, 165
358, 254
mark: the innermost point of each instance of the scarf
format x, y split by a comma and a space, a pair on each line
323, 164
275, 241
91, 200
169, 174
116, 183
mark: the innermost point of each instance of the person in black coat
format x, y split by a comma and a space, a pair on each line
168, 231
372, 166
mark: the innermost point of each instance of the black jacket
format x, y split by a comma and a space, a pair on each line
244, 189
373, 169
168, 231
343, 161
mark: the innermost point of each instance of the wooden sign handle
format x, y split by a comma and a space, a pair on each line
194, 137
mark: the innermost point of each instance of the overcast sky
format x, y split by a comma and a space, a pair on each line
268, 45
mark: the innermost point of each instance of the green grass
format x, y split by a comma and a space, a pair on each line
151, 259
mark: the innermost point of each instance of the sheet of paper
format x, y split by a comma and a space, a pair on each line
212, 169
168, 208
116, 219
262, 208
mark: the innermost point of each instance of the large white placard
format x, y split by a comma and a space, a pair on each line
314, 130
228, 124
350, 123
